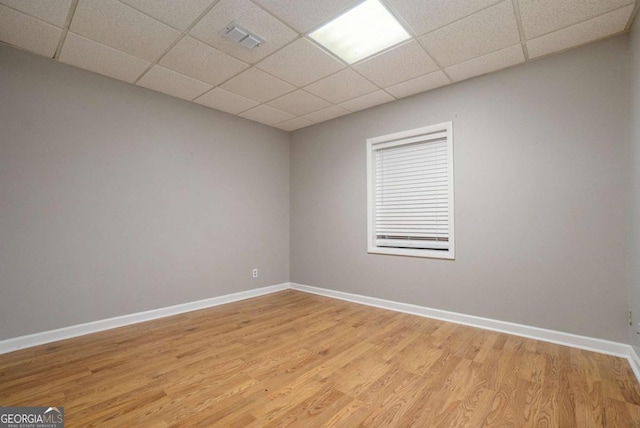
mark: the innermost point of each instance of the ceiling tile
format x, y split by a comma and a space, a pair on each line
178, 14
301, 63
326, 114
28, 33
424, 16
249, 16
93, 56
220, 99
397, 65
117, 25
419, 84
202, 62
366, 101
593, 29
294, 82
306, 15
342, 86
169, 82
52, 11
299, 103
486, 31
267, 115
293, 124
257, 85
484, 64
543, 16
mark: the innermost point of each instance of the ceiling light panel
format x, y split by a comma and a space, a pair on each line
365, 30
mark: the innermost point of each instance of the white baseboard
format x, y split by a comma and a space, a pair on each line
567, 339
28, 341
634, 362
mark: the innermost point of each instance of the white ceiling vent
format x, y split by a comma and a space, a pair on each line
240, 35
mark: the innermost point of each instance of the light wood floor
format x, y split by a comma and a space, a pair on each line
295, 359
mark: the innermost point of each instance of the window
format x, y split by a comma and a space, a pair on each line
410, 192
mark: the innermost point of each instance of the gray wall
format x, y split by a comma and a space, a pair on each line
116, 199
541, 194
634, 240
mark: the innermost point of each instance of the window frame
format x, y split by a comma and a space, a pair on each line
397, 139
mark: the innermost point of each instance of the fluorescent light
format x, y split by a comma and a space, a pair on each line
361, 32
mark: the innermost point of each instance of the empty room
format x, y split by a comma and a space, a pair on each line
340, 213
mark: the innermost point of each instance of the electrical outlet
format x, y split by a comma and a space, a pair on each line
255, 273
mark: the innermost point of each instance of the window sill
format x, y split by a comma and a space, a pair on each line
431, 254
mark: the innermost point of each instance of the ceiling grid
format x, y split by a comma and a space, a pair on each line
290, 81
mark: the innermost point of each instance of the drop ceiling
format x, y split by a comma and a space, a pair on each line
289, 82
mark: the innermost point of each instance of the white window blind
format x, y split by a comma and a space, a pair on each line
410, 184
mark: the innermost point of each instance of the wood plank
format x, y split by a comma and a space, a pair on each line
298, 359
